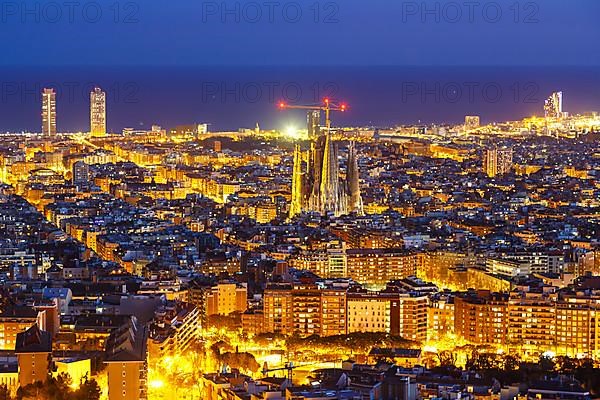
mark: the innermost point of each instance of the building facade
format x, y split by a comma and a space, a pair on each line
317, 186
97, 112
49, 112
497, 161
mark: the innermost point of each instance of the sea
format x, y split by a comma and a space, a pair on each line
232, 97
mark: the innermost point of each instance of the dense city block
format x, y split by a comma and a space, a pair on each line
422, 261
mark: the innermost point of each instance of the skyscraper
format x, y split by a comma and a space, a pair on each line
553, 106
490, 162
49, 112
81, 174
97, 112
472, 122
497, 161
313, 120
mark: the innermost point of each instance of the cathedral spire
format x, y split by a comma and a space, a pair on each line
297, 183
353, 181
320, 188
330, 187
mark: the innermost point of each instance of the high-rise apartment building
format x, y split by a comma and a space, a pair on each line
366, 266
313, 121
226, 298
440, 316
333, 312
81, 174
379, 266
33, 349
127, 362
531, 321
553, 106
410, 311
278, 317
508, 268
14, 320
337, 263
540, 261
304, 309
369, 312
97, 112
497, 162
578, 325
393, 311
49, 112
472, 122
316, 261
480, 317
175, 328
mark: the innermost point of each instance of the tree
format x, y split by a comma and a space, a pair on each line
585, 371
59, 388
267, 339
231, 322
483, 362
197, 358
89, 390
219, 346
446, 358
511, 362
546, 364
354, 343
37, 390
565, 364
5, 393
241, 361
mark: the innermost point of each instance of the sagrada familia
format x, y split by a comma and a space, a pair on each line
316, 182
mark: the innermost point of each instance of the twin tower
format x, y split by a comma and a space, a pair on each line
317, 185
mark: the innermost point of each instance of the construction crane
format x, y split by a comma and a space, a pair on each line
328, 106
288, 366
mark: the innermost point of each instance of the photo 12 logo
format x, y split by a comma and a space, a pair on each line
20, 92
253, 12
471, 92
69, 12
454, 12
267, 91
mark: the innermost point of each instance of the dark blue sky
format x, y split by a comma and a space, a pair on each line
341, 32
